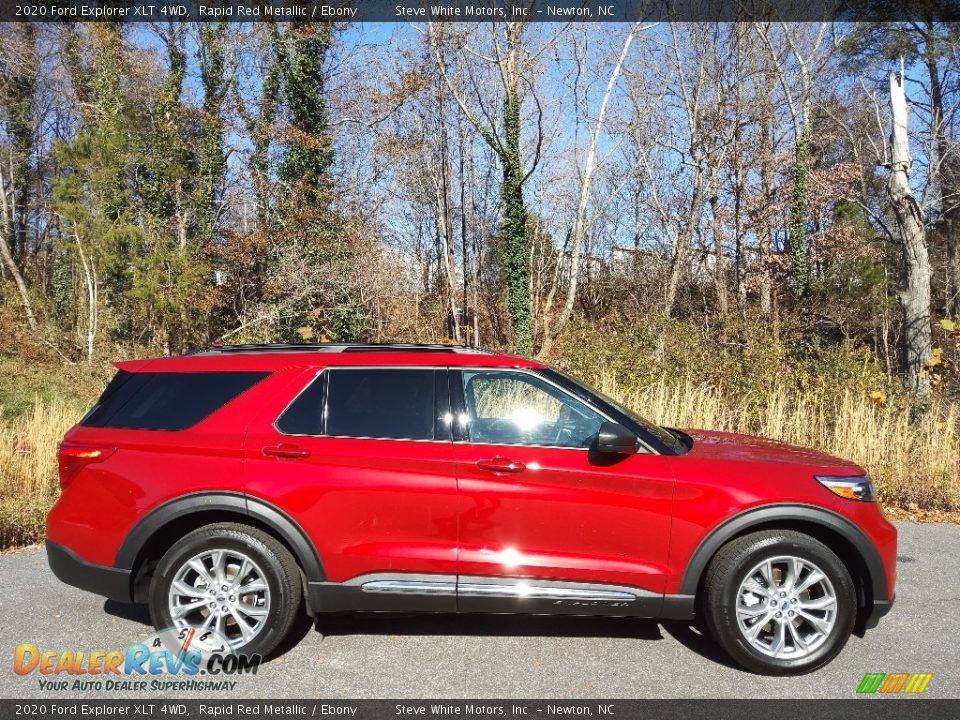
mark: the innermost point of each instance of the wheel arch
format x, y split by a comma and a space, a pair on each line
839, 534
157, 531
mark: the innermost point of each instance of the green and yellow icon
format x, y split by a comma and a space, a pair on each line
894, 683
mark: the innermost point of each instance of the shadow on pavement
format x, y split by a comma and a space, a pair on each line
346, 624
696, 640
138, 612
487, 625
135, 612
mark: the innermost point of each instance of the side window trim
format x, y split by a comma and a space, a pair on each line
458, 408
441, 404
318, 376
442, 414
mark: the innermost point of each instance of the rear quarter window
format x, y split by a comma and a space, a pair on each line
166, 401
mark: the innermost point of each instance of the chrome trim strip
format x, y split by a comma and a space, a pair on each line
524, 590
492, 587
410, 587
486, 586
401, 577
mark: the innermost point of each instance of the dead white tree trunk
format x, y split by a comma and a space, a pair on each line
6, 232
915, 290
579, 229
90, 277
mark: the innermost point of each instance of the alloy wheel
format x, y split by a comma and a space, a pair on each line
786, 607
221, 590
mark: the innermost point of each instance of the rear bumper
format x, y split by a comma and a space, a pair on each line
113, 583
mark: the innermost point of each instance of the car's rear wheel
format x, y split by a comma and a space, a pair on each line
779, 602
236, 581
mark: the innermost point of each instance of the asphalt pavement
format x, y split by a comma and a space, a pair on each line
434, 656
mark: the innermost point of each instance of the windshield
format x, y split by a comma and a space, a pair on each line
585, 391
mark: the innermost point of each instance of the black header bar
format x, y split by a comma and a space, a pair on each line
475, 10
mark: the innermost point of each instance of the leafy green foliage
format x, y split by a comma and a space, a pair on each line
308, 151
211, 163
513, 230
138, 208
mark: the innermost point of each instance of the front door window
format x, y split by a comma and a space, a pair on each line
514, 408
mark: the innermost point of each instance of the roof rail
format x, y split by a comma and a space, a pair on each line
332, 347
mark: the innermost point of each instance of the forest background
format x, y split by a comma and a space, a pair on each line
746, 226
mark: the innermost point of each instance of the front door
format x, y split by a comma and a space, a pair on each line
551, 525
362, 460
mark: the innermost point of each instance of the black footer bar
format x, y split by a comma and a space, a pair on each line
874, 708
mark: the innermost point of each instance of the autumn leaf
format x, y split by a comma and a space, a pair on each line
305, 332
948, 325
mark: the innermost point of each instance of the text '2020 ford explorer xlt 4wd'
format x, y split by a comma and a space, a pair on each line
233, 486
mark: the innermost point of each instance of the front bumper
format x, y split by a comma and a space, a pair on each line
113, 583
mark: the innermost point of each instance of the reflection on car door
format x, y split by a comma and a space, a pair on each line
550, 525
362, 460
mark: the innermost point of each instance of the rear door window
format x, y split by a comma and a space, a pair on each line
166, 401
390, 403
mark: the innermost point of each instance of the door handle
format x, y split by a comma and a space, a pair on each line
286, 450
502, 465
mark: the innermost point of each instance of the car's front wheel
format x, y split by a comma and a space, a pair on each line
234, 581
779, 602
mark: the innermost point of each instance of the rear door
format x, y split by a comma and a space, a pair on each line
361, 458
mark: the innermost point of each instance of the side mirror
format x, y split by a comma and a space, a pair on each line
615, 438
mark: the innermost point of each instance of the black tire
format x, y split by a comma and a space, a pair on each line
280, 571
730, 567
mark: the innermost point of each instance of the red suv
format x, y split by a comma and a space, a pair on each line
233, 486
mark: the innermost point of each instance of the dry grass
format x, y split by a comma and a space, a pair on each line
915, 463
28, 468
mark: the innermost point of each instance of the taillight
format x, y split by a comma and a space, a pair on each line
73, 458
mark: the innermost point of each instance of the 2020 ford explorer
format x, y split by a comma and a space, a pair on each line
232, 487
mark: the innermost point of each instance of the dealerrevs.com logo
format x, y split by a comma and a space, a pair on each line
894, 683
170, 660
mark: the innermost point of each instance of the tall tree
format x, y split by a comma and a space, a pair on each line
801, 55
92, 196
260, 126
915, 293
308, 150
512, 64
18, 80
578, 230
931, 46
212, 163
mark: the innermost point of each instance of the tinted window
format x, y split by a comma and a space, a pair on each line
511, 408
305, 414
166, 401
396, 404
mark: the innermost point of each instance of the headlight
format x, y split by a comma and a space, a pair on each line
852, 488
